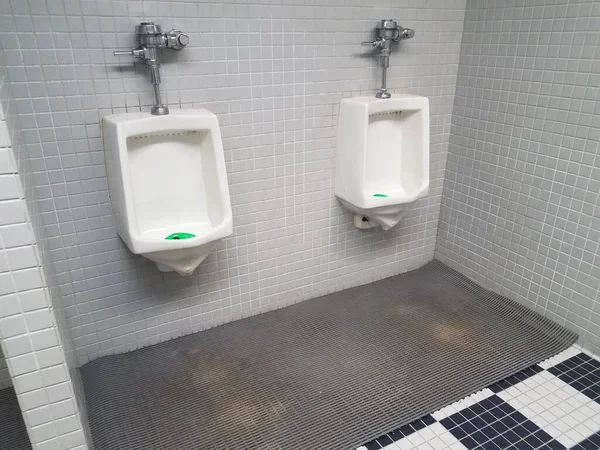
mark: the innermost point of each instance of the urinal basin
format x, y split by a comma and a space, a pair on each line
168, 185
385, 212
382, 160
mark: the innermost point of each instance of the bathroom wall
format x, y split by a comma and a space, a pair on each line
520, 209
5, 379
274, 73
34, 356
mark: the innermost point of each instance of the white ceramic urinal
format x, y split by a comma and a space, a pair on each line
382, 163
168, 185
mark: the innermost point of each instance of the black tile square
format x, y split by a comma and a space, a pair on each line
572, 362
496, 400
530, 426
384, 440
518, 416
533, 441
506, 408
448, 423
543, 436
477, 409
407, 430
595, 388
581, 358
567, 377
396, 435
480, 437
509, 422
373, 445
469, 442
458, 418
489, 432
467, 413
428, 420
555, 445
478, 423
489, 445
486, 403
497, 413
511, 436
417, 425
502, 442
499, 427
522, 445
594, 377
487, 417
495, 388
521, 431
468, 427
458, 433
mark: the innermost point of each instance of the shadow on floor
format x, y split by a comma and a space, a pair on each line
13, 434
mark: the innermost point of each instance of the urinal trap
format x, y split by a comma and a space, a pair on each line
328, 373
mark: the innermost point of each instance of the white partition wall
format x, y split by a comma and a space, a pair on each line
34, 354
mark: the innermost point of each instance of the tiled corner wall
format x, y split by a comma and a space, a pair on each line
5, 379
274, 72
520, 209
30, 341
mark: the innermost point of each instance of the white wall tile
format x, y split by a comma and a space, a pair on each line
12, 212
275, 85
9, 188
16, 235
6, 163
4, 136
21, 257
32, 359
520, 210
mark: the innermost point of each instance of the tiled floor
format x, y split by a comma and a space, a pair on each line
552, 405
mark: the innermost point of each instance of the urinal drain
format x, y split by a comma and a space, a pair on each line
388, 113
178, 236
168, 133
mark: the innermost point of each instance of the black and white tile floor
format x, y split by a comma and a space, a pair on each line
552, 405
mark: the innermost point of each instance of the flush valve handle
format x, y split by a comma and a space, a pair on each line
377, 44
137, 53
407, 33
177, 39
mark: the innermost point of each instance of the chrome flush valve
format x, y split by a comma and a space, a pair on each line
386, 32
152, 40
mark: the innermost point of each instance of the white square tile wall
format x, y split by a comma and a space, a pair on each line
32, 357
274, 73
520, 209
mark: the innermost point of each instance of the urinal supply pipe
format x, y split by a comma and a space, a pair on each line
386, 32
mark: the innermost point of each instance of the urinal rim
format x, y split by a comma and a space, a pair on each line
134, 124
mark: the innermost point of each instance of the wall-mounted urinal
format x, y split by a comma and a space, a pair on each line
382, 161
168, 185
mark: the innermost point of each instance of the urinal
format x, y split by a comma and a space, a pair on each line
382, 157
168, 185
